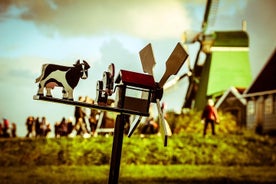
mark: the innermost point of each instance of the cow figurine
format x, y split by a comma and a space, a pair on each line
63, 76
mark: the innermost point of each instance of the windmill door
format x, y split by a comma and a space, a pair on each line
259, 114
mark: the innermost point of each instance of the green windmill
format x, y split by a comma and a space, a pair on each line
226, 62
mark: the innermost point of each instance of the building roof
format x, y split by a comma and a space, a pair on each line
135, 79
231, 39
235, 92
266, 80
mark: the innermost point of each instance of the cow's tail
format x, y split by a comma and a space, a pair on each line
42, 73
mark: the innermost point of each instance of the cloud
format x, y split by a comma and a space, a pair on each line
20, 71
145, 19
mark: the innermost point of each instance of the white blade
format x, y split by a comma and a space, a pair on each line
188, 59
133, 125
164, 126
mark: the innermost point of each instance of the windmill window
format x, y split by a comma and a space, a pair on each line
269, 105
137, 92
251, 107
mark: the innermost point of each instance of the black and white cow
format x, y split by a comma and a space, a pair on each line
63, 76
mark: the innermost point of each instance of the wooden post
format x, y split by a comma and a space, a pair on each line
116, 149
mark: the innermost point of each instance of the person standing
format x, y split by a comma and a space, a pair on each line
13, 130
45, 127
93, 121
79, 111
29, 125
6, 127
63, 129
1, 130
209, 116
80, 117
38, 131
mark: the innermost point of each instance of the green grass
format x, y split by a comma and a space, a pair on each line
139, 174
189, 158
191, 149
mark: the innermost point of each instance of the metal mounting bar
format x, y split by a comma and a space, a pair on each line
116, 150
91, 106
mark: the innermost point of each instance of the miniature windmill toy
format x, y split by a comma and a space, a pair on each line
128, 83
135, 91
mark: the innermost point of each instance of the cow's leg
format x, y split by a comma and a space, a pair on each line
40, 89
65, 94
48, 93
70, 94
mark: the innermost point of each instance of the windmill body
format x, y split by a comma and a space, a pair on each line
227, 64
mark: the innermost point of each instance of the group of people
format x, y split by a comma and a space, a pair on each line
7, 130
37, 127
66, 127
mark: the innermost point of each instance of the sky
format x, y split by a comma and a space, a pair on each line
102, 32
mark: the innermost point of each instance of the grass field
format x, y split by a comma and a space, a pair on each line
139, 174
187, 159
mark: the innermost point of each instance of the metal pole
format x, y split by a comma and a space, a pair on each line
116, 149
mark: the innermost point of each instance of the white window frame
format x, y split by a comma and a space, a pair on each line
251, 107
268, 109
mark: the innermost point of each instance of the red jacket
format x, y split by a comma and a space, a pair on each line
6, 124
210, 113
